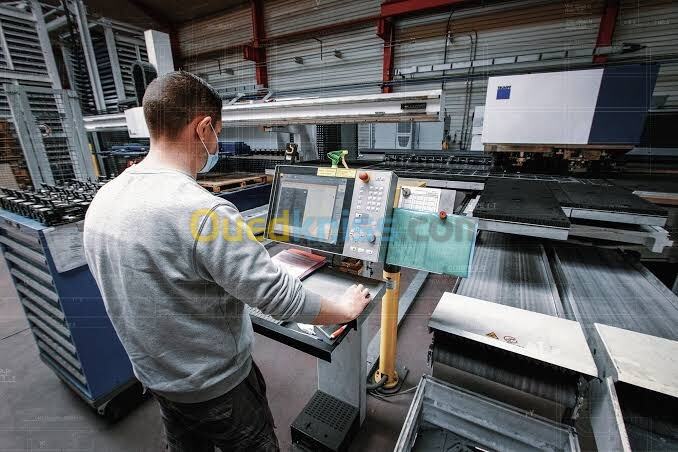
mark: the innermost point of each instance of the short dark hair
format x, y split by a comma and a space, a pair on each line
173, 100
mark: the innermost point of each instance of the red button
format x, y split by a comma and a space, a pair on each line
363, 176
442, 214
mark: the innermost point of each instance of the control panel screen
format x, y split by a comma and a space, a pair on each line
309, 207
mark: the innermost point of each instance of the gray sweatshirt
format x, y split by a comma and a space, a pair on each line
174, 286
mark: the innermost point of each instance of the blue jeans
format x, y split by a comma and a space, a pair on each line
239, 420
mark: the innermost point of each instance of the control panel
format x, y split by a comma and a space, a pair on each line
371, 208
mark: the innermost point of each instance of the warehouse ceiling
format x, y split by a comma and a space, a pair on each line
158, 13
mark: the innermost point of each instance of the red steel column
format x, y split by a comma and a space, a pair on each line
386, 31
608, 21
256, 52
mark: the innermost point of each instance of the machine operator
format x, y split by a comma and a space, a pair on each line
175, 288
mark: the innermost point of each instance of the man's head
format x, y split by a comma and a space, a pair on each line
183, 109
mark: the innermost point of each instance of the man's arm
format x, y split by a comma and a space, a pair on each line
245, 270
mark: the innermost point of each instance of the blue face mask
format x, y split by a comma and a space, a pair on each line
212, 159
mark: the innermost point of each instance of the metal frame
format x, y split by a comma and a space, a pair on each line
607, 420
5, 49
69, 65
80, 154
16, 13
547, 232
113, 57
481, 420
45, 44
652, 237
88, 51
104, 123
32, 144
33, 149
615, 217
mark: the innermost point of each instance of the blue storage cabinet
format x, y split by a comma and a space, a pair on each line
66, 313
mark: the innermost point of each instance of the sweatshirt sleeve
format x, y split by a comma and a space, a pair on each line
244, 269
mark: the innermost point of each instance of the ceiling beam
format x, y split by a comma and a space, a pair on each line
403, 7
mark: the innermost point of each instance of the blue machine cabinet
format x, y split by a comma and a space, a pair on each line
66, 313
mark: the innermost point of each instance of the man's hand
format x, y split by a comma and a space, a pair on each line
346, 308
354, 300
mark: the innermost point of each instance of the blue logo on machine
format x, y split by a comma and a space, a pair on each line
503, 92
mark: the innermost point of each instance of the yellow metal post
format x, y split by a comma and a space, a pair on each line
389, 328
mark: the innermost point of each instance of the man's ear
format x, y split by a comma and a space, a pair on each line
203, 126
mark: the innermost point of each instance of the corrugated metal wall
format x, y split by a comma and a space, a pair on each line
227, 72
356, 70
215, 33
653, 23
540, 28
287, 16
210, 49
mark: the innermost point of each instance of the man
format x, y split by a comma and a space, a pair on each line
176, 300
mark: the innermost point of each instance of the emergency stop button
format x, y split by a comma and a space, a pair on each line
363, 176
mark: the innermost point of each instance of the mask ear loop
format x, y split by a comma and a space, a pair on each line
215, 136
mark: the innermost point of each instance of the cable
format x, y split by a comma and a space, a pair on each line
14, 334
385, 397
447, 40
374, 386
463, 139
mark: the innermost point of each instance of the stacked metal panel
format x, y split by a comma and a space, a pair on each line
130, 47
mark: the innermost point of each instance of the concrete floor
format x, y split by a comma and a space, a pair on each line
39, 412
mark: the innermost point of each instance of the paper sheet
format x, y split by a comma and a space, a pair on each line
65, 245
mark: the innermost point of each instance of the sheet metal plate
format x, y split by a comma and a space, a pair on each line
641, 360
528, 202
603, 197
542, 337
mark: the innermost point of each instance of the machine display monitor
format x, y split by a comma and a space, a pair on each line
309, 207
336, 210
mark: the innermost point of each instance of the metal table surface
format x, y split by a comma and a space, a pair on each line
512, 271
330, 283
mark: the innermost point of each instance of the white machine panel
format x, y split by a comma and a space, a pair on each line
547, 108
136, 123
421, 199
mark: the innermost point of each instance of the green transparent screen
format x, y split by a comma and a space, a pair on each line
425, 242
